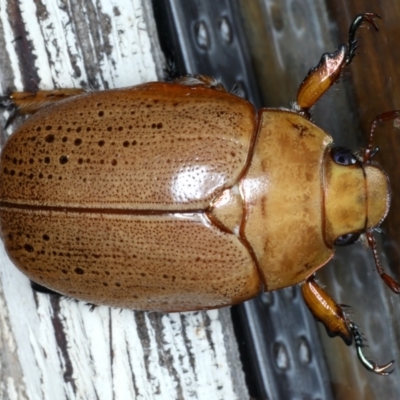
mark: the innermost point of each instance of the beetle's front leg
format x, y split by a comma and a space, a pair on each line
320, 78
326, 310
331, 314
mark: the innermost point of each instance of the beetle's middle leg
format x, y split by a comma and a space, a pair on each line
201, 80
320, 78
331, 314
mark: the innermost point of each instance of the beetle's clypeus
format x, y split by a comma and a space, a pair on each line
181, 196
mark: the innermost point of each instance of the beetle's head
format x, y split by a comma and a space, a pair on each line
356, 196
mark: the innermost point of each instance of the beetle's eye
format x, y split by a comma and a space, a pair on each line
343, 156
348, 238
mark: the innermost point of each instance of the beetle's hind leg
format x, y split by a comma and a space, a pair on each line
24, 103
42, 289
21, 103
331, 314
320, 78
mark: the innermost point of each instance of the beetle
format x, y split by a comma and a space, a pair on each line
181, 196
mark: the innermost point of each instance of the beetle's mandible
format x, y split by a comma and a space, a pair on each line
181, 196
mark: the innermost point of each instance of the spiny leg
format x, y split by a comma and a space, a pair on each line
332, 316
357, 22
359, 342
320, 78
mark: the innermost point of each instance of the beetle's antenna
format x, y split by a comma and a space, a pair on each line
393, 285
370, 150
359, 342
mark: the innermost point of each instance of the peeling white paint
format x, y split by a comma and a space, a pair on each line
41, 48
9, 48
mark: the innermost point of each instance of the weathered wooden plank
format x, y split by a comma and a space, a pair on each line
54, 348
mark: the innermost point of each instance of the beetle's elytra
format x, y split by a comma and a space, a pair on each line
181, 196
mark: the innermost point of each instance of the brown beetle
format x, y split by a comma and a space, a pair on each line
180, 196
